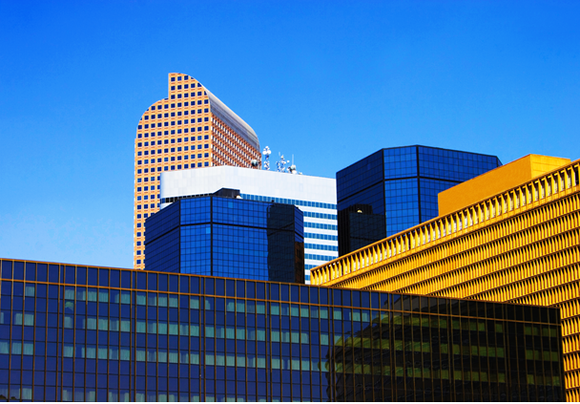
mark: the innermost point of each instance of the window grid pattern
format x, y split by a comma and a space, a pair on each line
171, 135
522, 245
315, 230
101, 334
401, 184
228, 237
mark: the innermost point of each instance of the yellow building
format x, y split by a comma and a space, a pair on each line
510, 235
190, 128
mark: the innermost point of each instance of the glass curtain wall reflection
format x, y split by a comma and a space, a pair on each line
396, 188
86, 333
226, 236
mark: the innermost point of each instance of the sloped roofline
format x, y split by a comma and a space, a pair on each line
233, 120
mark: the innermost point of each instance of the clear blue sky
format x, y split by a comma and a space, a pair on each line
326, 81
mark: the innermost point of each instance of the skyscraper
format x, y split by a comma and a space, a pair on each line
190, 128
396, 188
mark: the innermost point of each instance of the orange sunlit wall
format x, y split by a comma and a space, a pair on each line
519, 245
190, 128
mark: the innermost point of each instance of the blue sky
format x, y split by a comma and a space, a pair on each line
326, 81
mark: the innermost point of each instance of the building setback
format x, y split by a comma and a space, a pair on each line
510, 235
191, 128
82, 333
227, 237
396, 188
314, 196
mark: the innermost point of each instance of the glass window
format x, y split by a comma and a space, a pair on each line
209, 286
152, 281
93, 276
7, 269
18, 270
30, 271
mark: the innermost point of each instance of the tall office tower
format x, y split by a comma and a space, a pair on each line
509, 235
396, 188
224, 235
191, 128
314, 196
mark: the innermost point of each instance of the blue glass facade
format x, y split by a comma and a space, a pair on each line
82, 333
227, 237
395, 189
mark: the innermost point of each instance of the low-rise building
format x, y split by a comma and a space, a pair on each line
83, 333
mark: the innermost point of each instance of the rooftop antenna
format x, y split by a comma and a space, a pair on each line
281, 164
292, 168
266, 153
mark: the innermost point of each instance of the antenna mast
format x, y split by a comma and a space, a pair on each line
266, 153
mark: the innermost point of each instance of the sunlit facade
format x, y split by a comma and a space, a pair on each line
191, 128
78, 333
510, 235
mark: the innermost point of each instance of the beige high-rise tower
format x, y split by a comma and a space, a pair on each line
189, 129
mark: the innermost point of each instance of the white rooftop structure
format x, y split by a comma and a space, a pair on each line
314, 196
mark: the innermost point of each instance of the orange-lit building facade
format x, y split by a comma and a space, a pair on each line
510, 235
190, 128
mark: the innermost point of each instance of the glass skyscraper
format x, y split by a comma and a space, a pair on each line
228, 237
81, 333
396, 188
